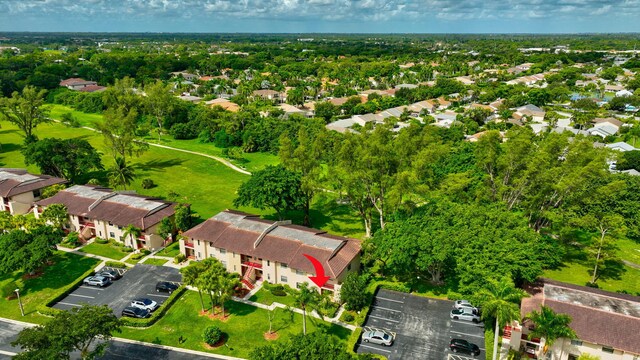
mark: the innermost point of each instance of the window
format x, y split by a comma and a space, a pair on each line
36, 193
298, 272
283, 265
110, 223
199, 256
224, 263
283, 278
607, 349
112, 235
268, 263
576, 342
234, 268
198, 242
119, 227
223, 251
349, 267
268, 276
297, 285
98, 231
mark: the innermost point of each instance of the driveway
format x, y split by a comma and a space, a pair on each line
140, 281
422, 326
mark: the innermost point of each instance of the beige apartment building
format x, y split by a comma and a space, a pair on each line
19, 189
98, 211
264, 250
607, 324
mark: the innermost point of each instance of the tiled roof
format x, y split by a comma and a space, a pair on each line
103, 204
18, 181
240, 232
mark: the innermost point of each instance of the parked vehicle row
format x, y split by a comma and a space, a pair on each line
140, 308
103, 278
464, 310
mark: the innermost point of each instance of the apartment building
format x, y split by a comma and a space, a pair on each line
102, 212
264, 250
19, 189
607, 324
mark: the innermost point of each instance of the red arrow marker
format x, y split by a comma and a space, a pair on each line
320, 279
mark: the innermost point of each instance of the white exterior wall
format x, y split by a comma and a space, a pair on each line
21, 203
570, 349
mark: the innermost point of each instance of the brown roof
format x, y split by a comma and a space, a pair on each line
75, 81
92, 88
19, 181
613, 121
284, 243
122, 209
597, 316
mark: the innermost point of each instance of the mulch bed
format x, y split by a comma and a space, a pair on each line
216, 315
223, 340
271, 337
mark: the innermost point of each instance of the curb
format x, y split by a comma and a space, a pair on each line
165, 347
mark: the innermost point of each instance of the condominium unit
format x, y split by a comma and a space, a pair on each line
19, 189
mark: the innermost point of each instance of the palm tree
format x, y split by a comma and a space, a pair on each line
227, 285
190, 275
550, 326
500, 299
121, 174
305, 299
132, 231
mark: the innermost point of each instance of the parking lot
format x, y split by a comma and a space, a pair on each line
139, 281
422, 327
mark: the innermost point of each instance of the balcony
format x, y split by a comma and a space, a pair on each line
87, 224
252, 264
188, 245
328, 286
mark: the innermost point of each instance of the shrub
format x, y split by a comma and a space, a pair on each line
69, 120
9, 289
277, 290
115, 264
212, 335
179, 258
592, 285
101, 241
127, 249
347, 317
71, 241
148, 183
145, 252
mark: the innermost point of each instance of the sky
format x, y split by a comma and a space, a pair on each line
322, 16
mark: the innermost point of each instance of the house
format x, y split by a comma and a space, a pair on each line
267, 94
190, 98
621, 146
290, 110
604, 127
185, 75
98, 211
19, 189
466, 80
530, 110
606, 324
223, 103
272, 251
77, 83
624, 93
92, 88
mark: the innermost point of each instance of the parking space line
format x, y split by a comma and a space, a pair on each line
375, 348
385, 319
92, 288
396, 301
164, 296
83, 296
468, 323
64, 303
384, 308
461, 333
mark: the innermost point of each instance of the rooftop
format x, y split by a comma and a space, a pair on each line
19, 181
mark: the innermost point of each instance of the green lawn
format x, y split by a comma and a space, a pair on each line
106, 250
629, 250
171, 251
627, 278
264, 296
83, 118
183, 327
156, 262
66, 268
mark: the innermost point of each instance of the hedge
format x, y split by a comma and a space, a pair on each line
47, 310
116, 264
156, 315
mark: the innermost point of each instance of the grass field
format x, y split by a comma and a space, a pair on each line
182, 327
172, 250
65, 269
156, 262
106, 250
264, 296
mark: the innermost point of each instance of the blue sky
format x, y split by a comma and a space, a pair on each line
335, 16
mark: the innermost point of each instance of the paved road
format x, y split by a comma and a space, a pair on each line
422, 326
117, 350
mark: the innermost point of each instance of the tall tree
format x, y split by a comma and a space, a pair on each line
119, 132
86, 329
316, 346
550, 326
71, 159
55, 214
500, 300
28, 250
25, 110
226, 287
121, 174
133, 233
159, 102
306, 299
273, 187
190, 275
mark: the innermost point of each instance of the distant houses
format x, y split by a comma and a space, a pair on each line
81, 85
19, 189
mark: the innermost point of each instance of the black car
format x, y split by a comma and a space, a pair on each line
463, 346
111, 274
135, 312
166, 286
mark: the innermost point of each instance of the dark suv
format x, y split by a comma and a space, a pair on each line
166, 286
135, 312
463, 346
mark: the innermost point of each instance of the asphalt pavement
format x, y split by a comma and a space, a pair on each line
422, 327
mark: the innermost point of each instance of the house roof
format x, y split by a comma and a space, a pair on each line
611, 121
76, 81
92, 88
248, 234
103, 204
621, 146
597, 316
19, 181
530, 108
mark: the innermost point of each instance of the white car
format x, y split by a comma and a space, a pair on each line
377, 337
96, 281
143, 303
464, 304
465, 314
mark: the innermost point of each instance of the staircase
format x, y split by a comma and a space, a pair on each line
246, 279
248, 284
507, 332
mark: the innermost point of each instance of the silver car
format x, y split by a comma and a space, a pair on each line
144, 303
464, 304
96, 281
465, 314
377, 337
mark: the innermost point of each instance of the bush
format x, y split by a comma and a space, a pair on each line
69, 120
212, 335
116, 264
148, 183
127, 249
277, 290
347, 317
71, 241
9, 289
179, 258
145, 252
592, 285
46, 310
101, 241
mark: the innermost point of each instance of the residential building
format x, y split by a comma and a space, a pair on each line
224, 103
267, 94
190, 98
77, 83
621, 146
272, 251
604, 127
19, 189
530, 110
606, 324
185, 75
98, 211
